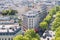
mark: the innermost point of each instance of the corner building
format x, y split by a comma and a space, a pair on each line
30, 20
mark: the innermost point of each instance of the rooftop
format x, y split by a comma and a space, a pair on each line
31, 13
9, 28
8, 25
8, 20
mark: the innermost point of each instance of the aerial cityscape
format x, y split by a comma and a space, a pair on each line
29, 19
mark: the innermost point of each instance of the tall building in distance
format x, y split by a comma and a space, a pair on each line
30, 20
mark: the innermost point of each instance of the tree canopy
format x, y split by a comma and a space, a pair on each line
43, 25
52, 11
9, 12
48, 18
57, 34
28, 35
56, 22
58, 14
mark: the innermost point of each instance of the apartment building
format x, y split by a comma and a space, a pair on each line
9, 27
30, 20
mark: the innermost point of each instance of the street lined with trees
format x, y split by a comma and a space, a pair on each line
44, 25
55, 25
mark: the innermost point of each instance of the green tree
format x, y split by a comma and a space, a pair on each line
56, 23
29, 35
34, 39
58, 38
19, 37
57, 8
58, 14
43, 25
25, 38
32, 34
12, 12
57, 34
4, 12
52, 11
48, 18
9, 12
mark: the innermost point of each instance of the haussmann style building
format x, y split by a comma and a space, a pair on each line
9, 28
30, 20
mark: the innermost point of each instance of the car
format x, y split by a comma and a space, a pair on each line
44, 35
